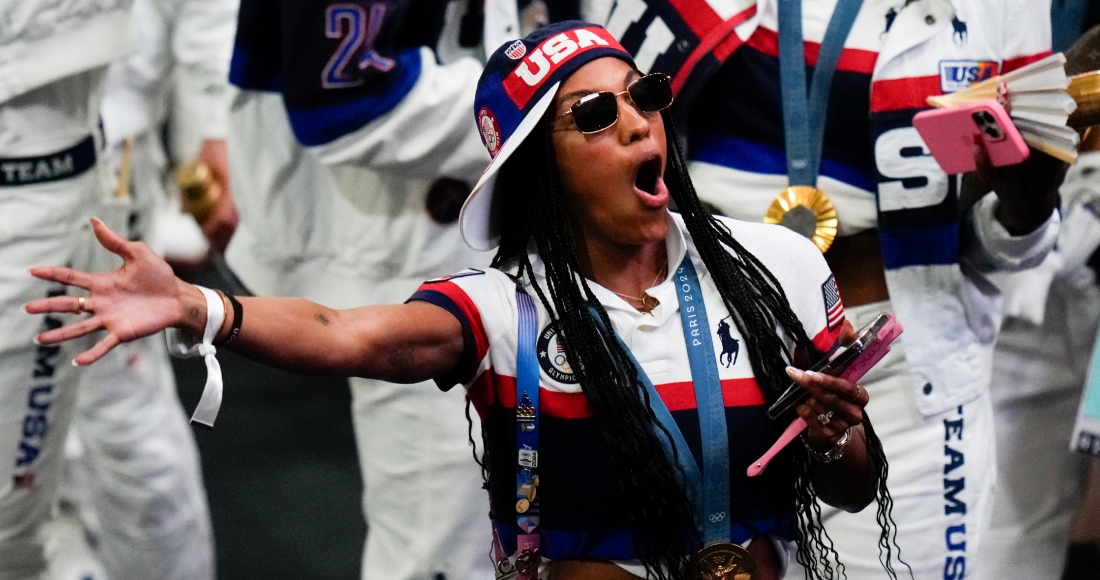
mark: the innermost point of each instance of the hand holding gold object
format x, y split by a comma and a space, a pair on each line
199, 190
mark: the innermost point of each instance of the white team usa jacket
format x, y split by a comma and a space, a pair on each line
42, 41
935, 253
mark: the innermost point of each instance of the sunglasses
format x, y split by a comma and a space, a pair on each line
599, 111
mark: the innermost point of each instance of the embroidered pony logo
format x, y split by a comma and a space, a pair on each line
960, 35
730, 345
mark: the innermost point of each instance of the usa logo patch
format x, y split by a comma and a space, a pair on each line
546, 58
957, 75
834, 307
551, 355
516, 50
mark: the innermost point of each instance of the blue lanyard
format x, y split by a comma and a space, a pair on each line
715, 497
709, 487
527, 416
804, 119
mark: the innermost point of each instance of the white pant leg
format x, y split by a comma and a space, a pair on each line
1038, 374
69, 554
40, 224
427, 516
941, 508
146, 488
1037, 490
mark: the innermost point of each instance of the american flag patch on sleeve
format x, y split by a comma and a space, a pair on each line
834, 307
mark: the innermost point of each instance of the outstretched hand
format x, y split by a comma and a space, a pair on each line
834, 405
140, 298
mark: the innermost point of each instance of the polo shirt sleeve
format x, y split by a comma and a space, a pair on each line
482, 302
812, 291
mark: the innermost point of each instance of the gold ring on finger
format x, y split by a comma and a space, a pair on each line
80, 303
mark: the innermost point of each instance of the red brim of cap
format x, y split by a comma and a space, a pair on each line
475, 220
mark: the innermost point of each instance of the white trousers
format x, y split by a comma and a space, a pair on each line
1038, 374
139, 470
942, 471
40, 224
145, 482
427, 515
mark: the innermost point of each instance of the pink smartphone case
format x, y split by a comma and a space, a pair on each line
952, 136
855, 371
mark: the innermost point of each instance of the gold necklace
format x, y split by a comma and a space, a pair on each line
646, 307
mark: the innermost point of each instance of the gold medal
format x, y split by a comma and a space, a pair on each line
806, 210
724, 561
1085, 90
523, 505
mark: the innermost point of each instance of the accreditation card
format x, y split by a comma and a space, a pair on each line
1086, 432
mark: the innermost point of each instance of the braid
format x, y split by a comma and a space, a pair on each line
759, 307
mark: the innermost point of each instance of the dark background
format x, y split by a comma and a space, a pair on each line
280, 469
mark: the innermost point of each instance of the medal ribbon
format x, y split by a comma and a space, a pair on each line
709, 487
804, 119
527, 440
711, 406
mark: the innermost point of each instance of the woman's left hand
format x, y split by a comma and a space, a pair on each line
834, 405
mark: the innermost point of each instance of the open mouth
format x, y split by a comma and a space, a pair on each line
648, 174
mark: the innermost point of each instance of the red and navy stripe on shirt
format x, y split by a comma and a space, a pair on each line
582, 515
742, 129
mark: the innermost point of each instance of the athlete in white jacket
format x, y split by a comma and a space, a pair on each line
1040, 365
138, 470
351, 151
907, 241
53, 59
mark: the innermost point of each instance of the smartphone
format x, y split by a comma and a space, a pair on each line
954, 134
849, 362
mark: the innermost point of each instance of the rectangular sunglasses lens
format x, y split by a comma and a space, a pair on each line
652, 93
596, 113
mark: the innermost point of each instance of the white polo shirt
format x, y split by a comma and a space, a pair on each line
580, 516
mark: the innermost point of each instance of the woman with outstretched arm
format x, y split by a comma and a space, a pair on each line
621, 356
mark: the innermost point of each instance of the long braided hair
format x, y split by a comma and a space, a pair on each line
530, 207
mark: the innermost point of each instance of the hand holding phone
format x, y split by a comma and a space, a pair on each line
849, 362
954, 134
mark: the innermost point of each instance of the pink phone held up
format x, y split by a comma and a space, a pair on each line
955, 134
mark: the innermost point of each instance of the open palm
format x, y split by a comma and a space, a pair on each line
138, 299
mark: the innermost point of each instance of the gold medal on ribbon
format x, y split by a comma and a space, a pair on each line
724, 561
806, 210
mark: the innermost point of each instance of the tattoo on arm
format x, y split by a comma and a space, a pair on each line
321, 318
194, 312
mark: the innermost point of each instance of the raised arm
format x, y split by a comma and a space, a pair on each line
401, 343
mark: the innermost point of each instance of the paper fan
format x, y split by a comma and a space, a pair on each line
1036, 98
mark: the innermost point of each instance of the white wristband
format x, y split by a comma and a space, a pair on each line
184, 345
